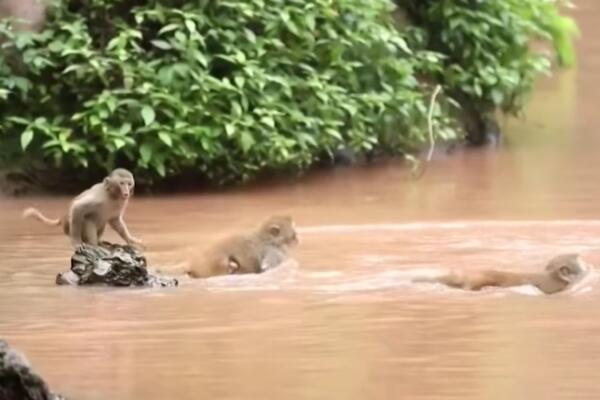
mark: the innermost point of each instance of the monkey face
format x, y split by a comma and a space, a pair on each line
567, 268
125, 188
281, 231
120, 184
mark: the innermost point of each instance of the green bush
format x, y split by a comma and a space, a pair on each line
488, 61
223, 88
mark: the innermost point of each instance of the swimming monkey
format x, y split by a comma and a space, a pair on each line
560, 273
254, 252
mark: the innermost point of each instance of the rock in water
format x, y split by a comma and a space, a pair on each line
113, 265
18, 381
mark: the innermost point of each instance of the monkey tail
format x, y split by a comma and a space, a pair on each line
36, 214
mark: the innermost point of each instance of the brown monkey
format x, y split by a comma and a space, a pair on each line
561, 272
90, 211
255, 252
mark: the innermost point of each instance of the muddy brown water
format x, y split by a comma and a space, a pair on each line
343, 323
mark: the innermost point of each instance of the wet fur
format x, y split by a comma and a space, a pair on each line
254, 252
560, 273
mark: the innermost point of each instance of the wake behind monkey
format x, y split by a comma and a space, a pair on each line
254, 252
89, 212
561, 273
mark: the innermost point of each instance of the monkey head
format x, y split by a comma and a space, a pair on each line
567, 268
119, 184
279, 231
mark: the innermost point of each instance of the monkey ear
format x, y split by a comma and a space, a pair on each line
564, 273
112, 186
274, 230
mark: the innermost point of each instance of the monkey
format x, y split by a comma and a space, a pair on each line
90, 211
560, 273
262, 249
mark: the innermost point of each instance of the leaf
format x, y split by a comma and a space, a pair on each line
236, 109
119, 143
247, 141
497, 97
161, 44
148, 115
250, 35
309, 20
168, 28
190, 25
160, 168
166, 138
240, 57
26, 138
201, 59
146, 152
333, 133
268, 121
239, 81
229, 129
285, 16
125, 129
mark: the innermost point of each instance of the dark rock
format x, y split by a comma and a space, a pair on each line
18, 381
112, 265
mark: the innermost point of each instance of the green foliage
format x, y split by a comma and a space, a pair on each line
224, 88
489, 62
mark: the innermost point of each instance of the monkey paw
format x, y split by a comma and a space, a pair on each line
135, 242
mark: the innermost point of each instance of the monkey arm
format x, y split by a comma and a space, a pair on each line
273, 256
118, 224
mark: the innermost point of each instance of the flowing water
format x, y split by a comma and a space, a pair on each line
344, 323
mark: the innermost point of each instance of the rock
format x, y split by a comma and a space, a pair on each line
18, 381
112, 265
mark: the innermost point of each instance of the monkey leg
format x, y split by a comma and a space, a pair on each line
90, 232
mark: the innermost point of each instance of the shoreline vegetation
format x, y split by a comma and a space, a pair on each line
224, 92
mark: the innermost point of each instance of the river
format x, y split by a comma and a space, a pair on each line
344, 323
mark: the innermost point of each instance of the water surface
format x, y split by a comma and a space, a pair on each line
344, 323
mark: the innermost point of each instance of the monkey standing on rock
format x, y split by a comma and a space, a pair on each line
254, 252
560, 273
91, 210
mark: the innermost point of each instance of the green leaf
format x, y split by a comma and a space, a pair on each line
125, 129
119, 143
236, 109
168, 28
148, 115
246, 140
229, 129
166, 138
250, 35
268, 121
161, 44
190, 25
239, 81
201, 59
26, 138
497, 97
146, 152
160, 168
333, 133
